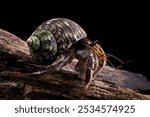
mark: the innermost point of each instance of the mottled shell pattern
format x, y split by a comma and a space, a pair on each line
53, 38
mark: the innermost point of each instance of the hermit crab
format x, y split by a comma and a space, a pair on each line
61, 37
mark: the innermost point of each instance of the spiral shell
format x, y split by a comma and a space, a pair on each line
53, 38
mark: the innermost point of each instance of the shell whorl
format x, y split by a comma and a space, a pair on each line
65, 31
54, 37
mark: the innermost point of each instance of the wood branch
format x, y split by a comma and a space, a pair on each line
18, 82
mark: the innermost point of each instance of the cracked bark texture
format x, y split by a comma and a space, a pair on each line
18, 82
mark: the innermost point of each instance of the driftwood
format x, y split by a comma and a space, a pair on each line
17, 80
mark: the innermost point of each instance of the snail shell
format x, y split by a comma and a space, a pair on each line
54, 37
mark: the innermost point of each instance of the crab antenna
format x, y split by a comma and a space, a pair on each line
110, 55
110, 63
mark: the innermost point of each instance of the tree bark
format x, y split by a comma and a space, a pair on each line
17, 80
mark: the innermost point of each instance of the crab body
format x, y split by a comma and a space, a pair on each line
63, 37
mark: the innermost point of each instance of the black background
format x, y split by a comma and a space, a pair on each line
122, 31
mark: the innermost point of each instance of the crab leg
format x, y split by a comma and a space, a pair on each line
89, 66
67, 59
